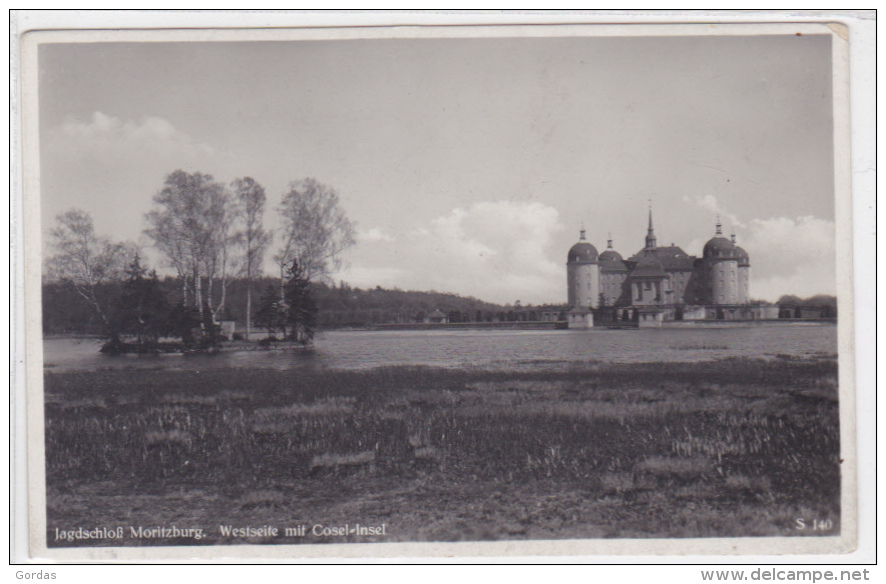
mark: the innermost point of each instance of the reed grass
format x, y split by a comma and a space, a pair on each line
697, 444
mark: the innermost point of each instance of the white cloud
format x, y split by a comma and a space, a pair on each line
788, 255
806, 282
709, 203
806, 234
106, 135
494, 250
791, 256
111, 167
372, 235
503, 251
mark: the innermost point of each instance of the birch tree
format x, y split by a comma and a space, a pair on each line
253, 238
191, 227
88, 262
315, 231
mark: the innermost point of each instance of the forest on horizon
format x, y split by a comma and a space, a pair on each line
338, 306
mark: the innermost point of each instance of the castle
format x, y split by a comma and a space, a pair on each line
659, 284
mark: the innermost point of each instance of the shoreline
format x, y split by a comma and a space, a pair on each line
528, 325
153, 362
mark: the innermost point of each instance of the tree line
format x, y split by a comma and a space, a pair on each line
792, 306
210, 234
337, 306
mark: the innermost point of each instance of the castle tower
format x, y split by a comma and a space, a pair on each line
582, 275
721, 263
744, 273
613, 273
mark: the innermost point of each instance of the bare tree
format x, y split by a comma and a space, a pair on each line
253, 238
191, 227
315, 230
220, 261
87, 261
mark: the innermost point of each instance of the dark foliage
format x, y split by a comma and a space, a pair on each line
270, 314
822, 304
183, 321
143, 310
337, 306
301, 309
66, 312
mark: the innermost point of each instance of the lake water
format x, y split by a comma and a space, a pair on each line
478, 348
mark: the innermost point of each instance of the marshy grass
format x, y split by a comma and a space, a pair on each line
725, 448
702, 347
343, 460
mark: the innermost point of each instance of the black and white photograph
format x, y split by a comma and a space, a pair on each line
534, 285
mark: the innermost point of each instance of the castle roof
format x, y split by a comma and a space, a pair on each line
718, 247
582, 251
611, 260
674, 258
610, 255
743, 257
671, 258
648, 267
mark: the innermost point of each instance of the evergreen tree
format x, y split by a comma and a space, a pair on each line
269, 314
300, 306
144, 311
182, 322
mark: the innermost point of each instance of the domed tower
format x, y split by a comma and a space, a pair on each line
613, 273
610, 254
744, 273
722, 269
582, 274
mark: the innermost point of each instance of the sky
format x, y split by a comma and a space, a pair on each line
467, 165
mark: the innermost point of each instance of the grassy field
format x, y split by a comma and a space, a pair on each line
727, 448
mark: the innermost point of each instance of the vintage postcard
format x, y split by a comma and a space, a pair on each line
435, 291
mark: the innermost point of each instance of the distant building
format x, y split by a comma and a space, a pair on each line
437, 317
549, 316
227, 328
659, 283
